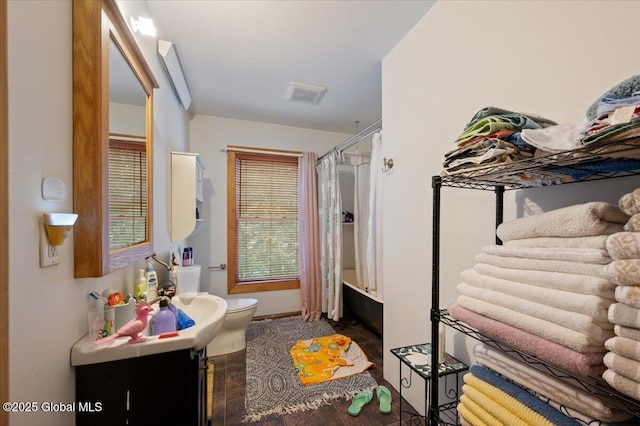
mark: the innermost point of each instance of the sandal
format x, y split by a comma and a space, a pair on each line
359, 401
384, 396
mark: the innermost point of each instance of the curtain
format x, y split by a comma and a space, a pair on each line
362, 171
309, 243
330, 215
374, 242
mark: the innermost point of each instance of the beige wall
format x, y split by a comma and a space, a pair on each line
48, 306
208, 136
549, 58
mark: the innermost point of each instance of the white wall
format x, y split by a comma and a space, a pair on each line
550, 58
208, 136
47, 307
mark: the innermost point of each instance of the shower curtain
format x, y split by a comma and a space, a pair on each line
374, 238
361, 170
330, 214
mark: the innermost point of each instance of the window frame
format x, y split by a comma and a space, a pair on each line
233, 286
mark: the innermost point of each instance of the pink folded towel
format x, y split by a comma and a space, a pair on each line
587, 364
581, 220
624, 245
630, 203
623, 272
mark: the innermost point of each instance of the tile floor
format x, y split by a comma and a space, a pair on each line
229, 391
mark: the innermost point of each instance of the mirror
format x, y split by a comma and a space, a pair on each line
112, 114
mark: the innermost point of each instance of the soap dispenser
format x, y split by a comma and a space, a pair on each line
164, 320
140, 286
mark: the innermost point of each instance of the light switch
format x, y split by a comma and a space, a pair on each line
53, 189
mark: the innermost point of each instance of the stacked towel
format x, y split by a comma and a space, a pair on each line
547, 281
623, 359
491, 137
495, 400
575, 402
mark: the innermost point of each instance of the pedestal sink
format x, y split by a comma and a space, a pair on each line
208, 312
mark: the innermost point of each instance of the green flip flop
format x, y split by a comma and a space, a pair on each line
359, 401
384, 396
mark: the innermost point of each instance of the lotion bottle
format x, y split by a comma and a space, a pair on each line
140, 286
152, 281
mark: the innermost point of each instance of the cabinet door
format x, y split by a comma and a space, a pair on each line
161, 389
186, 193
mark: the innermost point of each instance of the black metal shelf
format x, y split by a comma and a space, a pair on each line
579, 165
554, 169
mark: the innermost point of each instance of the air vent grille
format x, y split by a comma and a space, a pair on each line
304, 93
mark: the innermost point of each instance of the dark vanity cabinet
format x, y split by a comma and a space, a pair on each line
162, 389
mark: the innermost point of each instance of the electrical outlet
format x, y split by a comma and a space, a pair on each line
48, 253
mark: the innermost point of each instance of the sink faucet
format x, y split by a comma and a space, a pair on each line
174, 262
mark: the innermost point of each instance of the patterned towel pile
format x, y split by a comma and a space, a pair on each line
623, 358
487, 398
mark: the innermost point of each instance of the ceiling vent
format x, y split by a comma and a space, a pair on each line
169, 55
305, 93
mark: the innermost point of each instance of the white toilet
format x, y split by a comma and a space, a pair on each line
232, 337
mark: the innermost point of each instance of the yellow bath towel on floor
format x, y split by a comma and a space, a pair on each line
327, 358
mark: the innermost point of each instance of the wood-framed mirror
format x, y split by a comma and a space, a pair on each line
101, 40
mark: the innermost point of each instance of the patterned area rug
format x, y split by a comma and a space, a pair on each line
272, 384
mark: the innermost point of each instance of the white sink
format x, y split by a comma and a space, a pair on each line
208, 312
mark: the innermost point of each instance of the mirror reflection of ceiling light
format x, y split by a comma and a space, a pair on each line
144, 26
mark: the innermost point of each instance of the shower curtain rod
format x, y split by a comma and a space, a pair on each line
363, 134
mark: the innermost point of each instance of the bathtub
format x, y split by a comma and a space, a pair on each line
366, 307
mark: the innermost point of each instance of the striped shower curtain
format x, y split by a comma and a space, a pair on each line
330, 218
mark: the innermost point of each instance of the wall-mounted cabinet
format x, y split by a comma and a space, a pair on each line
187, 194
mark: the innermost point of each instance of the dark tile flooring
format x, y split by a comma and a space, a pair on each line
229, 391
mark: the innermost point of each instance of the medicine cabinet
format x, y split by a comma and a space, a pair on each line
108, 67
186, 194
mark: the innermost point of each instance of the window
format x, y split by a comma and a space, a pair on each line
128, 209
262, 222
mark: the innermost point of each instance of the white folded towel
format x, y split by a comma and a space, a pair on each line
592, 306
553, 332
580, 220
622, 314
592, 269
575, 283
623, 272
593, 241
624, 245
581, 255
628, 332
598, 330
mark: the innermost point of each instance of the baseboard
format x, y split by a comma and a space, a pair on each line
276, 316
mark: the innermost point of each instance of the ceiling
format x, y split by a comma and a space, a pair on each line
238, 57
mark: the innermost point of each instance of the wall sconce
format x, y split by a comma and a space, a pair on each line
58, 226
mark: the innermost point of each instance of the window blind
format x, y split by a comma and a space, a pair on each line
127, 194
266, 217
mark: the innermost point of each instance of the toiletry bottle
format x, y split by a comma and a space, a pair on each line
140, 286
174, 311
152, 281
164, 320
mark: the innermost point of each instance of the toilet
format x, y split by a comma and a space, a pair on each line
232, 337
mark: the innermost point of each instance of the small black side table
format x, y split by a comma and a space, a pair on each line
418, 359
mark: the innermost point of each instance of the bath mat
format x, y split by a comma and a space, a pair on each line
273, 386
